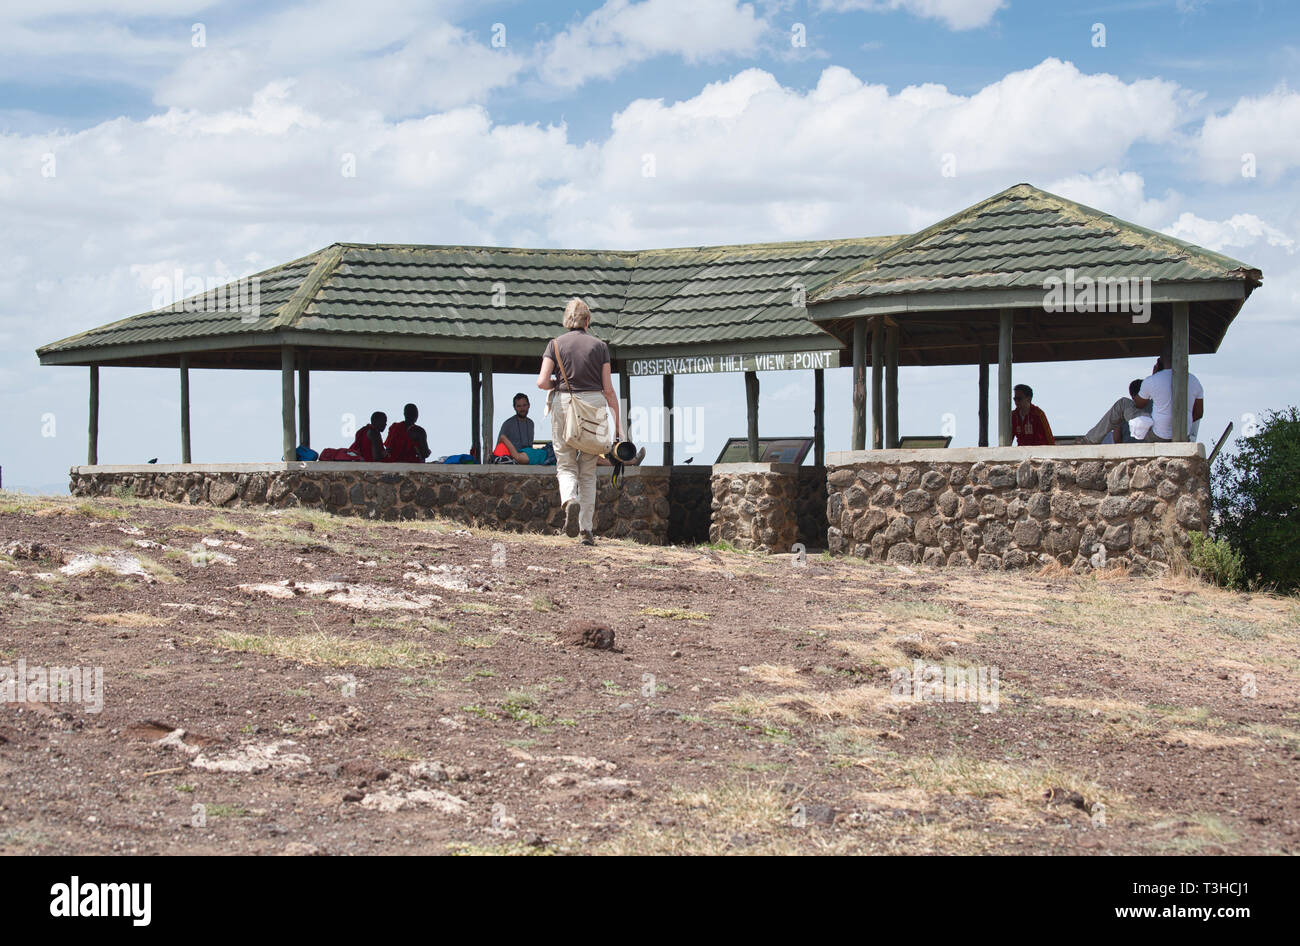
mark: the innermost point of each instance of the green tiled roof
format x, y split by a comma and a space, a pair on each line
484, 295
1018, 239
421, 303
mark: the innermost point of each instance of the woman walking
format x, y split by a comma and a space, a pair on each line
576, 366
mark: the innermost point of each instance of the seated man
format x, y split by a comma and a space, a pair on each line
516, 432
407, 442
1157, 393
1114, 423
369, 443
1029, 424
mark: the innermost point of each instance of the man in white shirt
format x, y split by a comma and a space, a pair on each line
1157, 392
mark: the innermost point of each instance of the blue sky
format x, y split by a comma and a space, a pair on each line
221, 157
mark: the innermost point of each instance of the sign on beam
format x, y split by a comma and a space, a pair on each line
714, 364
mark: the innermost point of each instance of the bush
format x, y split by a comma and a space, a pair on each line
1257, 503
1217, 561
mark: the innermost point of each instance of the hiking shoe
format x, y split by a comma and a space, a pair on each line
571, 510
587, 538
640, 455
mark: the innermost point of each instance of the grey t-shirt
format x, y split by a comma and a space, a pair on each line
519, 430
584, 357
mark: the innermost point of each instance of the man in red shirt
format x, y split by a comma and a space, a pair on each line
369, 442
407, 442
1029, 424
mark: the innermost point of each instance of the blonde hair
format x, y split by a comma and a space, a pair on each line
576, 314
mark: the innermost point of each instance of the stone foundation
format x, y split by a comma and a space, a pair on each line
810, 506
755, 506
689, 498
511, 498
1010, 507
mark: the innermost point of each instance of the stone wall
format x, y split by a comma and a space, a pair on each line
1010, 507
755, 506
515, 499
810, 506
689, 499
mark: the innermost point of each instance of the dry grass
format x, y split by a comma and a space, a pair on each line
730, 818
331, 650
129, 619
776, 676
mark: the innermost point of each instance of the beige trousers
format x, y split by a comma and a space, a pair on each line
575, 470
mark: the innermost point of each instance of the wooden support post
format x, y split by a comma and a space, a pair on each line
474, 387
625, 393
92, 431
304, 397
751, 409
819, 417
984, 397
891, 386
859, 432
1180, 339
670, 431
287, 411
877, 383
1004, 377
489, 433
185, 408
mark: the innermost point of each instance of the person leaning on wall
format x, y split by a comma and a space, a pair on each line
586, 367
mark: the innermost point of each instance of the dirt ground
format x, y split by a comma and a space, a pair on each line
295, 683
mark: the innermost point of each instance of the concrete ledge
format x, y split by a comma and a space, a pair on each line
345, 467
789, 469
1123, 451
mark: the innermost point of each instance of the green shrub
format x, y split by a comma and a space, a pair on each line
1217, 561
1257, 502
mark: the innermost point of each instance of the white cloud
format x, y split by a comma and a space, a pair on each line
850, 158
1266, 126
1240, 230
621, 33
1119, 193
954, 14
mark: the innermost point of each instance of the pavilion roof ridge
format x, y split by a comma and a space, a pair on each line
1022, 204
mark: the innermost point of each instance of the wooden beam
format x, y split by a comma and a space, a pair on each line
92, 430
1005, 321
751, 410
877, 384
290, 433
859, 431
489, 433
984, 397
1180, 344
625, 392
891, 387
185, 408
668, 420
819, 417
474, 386
304, 396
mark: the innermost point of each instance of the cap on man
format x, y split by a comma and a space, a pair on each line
1029, 424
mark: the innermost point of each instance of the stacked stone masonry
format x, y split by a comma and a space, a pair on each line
1079, 513
755, 510
496, 499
